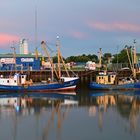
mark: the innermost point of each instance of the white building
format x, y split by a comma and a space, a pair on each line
23, 47
90, 65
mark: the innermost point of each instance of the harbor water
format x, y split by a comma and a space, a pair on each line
81, 115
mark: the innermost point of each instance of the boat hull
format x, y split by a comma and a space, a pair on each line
129, 86
65, 86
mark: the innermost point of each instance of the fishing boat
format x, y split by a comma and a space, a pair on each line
19, 82
111, 81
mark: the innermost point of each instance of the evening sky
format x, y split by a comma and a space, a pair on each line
83, 26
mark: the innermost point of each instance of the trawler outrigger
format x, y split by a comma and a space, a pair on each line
18, 82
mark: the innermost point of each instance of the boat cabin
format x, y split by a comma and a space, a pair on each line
106, 78
17, 79
111, 78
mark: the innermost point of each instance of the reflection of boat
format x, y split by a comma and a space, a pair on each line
57, 95
19, 83
53, 95
126, 103
97, 93
49, 108
18, 100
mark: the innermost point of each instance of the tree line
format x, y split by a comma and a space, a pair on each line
121, 57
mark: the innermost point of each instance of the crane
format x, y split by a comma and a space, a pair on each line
43, 44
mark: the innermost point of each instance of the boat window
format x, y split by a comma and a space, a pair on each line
109, 78
62, 80
15, 81
128, 78
7, 81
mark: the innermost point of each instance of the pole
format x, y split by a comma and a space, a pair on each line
134, 72
36, 53
14, 57
58, 56
100, 57
43, 44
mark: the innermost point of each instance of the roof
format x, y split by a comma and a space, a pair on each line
18, 55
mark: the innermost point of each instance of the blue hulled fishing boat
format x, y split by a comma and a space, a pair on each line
56, 82
18, 83
109, 81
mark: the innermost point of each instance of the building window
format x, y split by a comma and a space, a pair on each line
15, 81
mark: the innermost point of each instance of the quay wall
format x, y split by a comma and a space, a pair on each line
85, 76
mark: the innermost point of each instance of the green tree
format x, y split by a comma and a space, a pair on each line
122, 57
55, 59
106, 57
82, 58
93, 57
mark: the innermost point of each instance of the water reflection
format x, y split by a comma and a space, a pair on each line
127, 104
48, 108
37, 101
61, 116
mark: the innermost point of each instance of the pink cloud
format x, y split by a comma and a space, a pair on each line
114, 26
7, 38
78, 34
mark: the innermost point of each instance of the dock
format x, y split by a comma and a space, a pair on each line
85, 76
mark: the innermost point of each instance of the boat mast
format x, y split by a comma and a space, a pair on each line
132, 61
36, 36
14, 57
134, 65
129, 58
43, 44
100, 57
58, 55
64, 65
